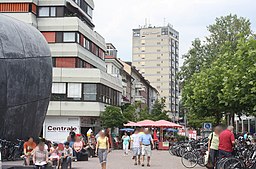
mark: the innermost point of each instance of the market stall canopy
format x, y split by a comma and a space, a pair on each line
127, 129
146, 123
164, 123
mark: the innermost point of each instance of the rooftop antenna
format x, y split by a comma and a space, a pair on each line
164, 21
146, 22
149, 24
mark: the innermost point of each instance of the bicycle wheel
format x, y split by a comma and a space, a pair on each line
233, 163
201, 161
189, 160
220, 162
171, 149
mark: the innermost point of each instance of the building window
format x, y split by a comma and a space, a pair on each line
59, 88
54, 62
78, 38
80, 63
164, 31
52, 11
47, 11
90, 92
89, 11
44, 11
69, 37
74, 90
87, 44
77, 2
136, 33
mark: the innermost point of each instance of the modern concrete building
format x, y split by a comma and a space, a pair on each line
81, 85
155, 53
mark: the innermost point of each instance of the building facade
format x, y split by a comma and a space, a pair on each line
81, 87
140, 88
155, 53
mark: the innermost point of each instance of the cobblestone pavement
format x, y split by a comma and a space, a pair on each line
116, 160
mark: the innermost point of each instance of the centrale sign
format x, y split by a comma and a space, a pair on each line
60, 128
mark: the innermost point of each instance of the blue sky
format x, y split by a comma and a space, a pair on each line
115, 19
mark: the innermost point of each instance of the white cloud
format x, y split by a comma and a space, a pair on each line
115, 19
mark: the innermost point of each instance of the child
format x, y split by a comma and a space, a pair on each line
54, 154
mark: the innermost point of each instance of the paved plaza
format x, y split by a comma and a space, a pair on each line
116, 160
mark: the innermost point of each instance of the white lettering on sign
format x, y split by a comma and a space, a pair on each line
60, 129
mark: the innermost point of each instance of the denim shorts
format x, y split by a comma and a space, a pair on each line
136, 151
102, 154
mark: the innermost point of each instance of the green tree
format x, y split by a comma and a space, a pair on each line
130, 112
112, 117
158, 111
211, 73
229, 29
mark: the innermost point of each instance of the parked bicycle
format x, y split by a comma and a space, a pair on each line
11, 151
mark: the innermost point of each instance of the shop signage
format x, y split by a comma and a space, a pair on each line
60, 129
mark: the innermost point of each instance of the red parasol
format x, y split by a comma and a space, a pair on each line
146, 123
164, 123
131, 124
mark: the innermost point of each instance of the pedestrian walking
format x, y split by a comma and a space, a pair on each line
78, 146
135, 146
146, 141
126, 140
213, 145
226, 142
92, 144
102, 148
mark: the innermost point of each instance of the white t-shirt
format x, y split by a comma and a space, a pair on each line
135, 140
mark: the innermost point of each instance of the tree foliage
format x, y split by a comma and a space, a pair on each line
158, 111
116, 117
112, 117
218, 75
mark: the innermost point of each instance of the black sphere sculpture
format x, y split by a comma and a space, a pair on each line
25, 79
